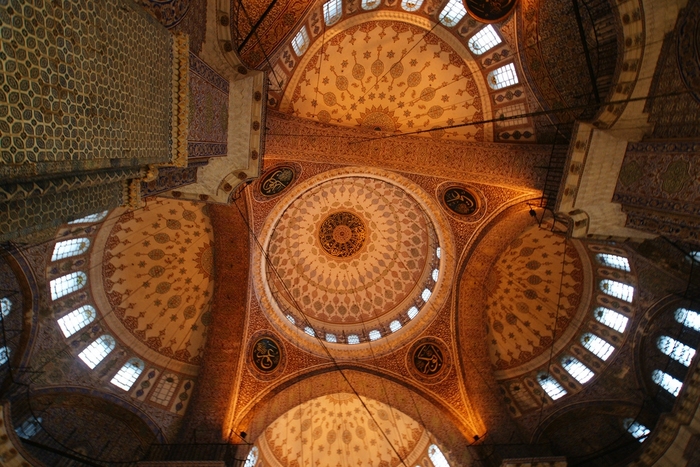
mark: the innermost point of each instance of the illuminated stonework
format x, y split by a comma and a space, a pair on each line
342, 234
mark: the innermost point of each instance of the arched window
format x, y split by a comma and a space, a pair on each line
76, 320
515, 110
395, 325
128, 374
369, 4
676, 350
578, 370
94, 353
614, 261
597, 346
5, 306
301, 42
484, 40
67, 284
695, 255
331, 338
353, 339
412, 312
374, 334
551, 386
437, 457
4, 355
617, 289
291, 319
425, 295
667, 382
68, 248
435, 275
97, 217
165, 389
688, 318
332, 11
453, 12
502, 77
438, 252
636, 429
611, 319
29, 427
252, 457
411, 5
310, 331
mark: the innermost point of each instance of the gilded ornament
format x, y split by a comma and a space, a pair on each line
265, 354
428, 359
342, 234
276, 181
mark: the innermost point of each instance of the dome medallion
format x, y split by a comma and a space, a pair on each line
353, 258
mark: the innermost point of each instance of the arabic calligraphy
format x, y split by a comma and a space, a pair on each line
460, 201
266, 354
276, 181
342, 234
428, 359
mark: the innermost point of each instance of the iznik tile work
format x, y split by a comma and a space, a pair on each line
208, 111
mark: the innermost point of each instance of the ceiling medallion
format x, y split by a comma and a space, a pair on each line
266, 355
342, 234
490, 11
428, 360
276, 180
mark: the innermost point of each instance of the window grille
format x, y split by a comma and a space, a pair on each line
128, 374
484, 40
617, 289
310, 331
76, 320
611, 319
667, 382
252, 457
67, 284
688, 318
453, 12
331, 338
502, 77
411, 5
4, 355
437, 457
68, 248
353, 339
578, 370
29, 427
511, 111
165, 389
332, 11
374, 334
551, 386
597, 346
395, 325
412, 312
369, 4
301, 42
94, 353
5, 306
636, 429
97, 217
678, 351
614, 261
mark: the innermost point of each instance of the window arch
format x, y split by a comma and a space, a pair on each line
636, 429
91, 218
128, 374
502, 77
667, 382
453, 13
613, 261
332, 11
617, 289
68, 248
4, 355
578, 370
252, 458
484, 40
76, 320
165, 389
301, 42
395, 325
411, 5
94, 353
412, 312
551, 386
678, 351
611, 319
374, 334
688, 318
353, 339
29, 427
67, 284
597, 346
5, 306
369, 4
437, 457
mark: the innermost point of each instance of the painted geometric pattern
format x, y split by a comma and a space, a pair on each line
380, 277
208, 111
336, 430
390, 76
157, 273
523, 295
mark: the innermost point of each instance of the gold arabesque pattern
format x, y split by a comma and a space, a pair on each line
342, 234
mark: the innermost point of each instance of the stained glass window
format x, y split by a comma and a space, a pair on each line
617, 289
67, 284
68, 248
76, 320
353, 339
331, 337
252, 457
437, 457
411, 5
374, 334
502, 77
484, 40
614, 261
332, 11
597, 346
369, 4
128, 374
94, 353
301, 42
551, 386
636, 429
688, 318
678, 351
578, 370
453, 12
412, 312
4, 355
5, 306
395, 325
667, 382
165, 389
611, 319
29, 427
97, 217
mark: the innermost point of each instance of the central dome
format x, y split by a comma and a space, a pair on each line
355, 258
